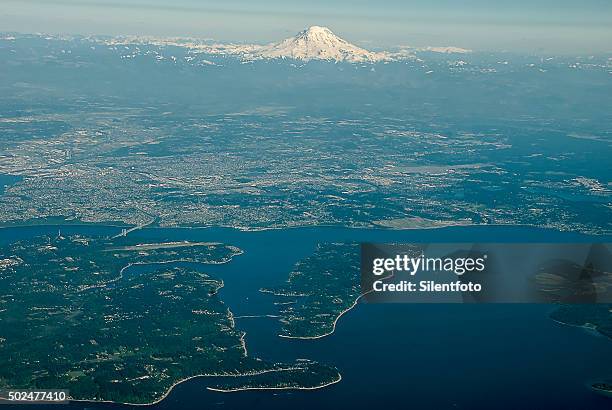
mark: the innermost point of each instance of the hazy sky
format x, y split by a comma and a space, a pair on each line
566, 26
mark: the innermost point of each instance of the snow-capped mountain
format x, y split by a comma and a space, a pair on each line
319, 43
314, 43
445, 50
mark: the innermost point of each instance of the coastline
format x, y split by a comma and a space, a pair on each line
276, 388
335, 320
129, 265
115, 224
582, 235
588, 327
169, 390
333, 324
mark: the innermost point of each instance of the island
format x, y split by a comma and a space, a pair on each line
318, 291
75, 316
597, 317
603, 388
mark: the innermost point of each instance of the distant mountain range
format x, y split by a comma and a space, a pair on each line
314, 43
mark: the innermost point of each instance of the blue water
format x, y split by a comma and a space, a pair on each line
395, 355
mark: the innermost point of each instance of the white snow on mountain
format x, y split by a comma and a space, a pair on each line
319, 43
445, 50
314, 43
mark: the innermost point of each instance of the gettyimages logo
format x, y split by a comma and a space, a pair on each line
411, 265
491, 273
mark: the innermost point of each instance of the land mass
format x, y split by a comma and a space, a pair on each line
602, 388
304, 375
319, 290
110, 333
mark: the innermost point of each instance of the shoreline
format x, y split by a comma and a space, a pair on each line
276, 388
186, 379
355, 303
151, 225
304, 226
335, 322
129, 265
592, 330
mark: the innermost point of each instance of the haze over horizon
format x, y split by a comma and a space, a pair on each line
563, 26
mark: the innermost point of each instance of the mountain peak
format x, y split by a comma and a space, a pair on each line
318, 43
316, 31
